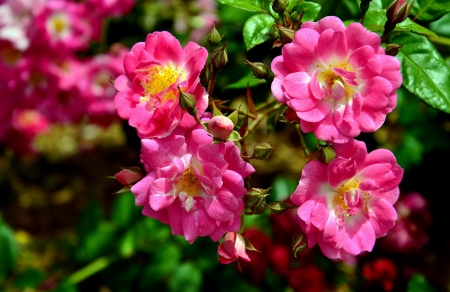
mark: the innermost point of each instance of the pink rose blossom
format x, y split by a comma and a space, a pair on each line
148, 94
192, 185
347, 204
232, 248
338, 79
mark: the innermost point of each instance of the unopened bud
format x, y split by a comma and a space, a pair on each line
364, 6
260, 70
219, 57
205, 76
398, 11
280, 6
214, 37
255, 200
262, 151
286, 35
326, 154
274, 33
299, 243
278, 207
393, 49
291, 116
188, 103
220, 127
128, 176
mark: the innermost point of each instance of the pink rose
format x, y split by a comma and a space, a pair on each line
232, 248
192, 185
148, 94
338, 79
347, 204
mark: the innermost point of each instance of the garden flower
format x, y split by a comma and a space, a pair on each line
148, 94
232, 248
338, 79
347, 204
192, 185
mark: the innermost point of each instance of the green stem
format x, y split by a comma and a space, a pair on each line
302, 141
261, 117
227, 108
266, 104
440, 40
211, 83
92, 268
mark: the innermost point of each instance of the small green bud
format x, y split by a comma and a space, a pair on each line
278, 207
280, 6
398, 11
214, 37
188, 103
286, 35
260, 70
205, 75
364, 6
326, 154
219, 57
255, 200
393, 49
299, 243
262, 151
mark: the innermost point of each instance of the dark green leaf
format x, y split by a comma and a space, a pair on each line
29, 279
8, 250
249, 79
311, 10
97, 243
253, 6
123, 209
419, 283
256, 30
410, 25
89, 219
430, 10
187, 278
441, 26
65, 286
424, 71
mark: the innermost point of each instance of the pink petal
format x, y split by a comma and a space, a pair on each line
358, 36
382, 216
161, 194
300, 55
141, 188
314, 176
328, 22
331, 46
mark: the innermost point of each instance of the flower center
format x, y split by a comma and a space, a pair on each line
58, 25
350, 199
188, 183
159, 79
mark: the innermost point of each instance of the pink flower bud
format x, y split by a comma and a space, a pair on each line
220, 127
232, 248
128, 176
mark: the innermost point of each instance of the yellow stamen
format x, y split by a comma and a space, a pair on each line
339, 199
188, 183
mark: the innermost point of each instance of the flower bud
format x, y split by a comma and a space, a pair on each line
262, 151
205, 75
232, 248
274, 33
393, 49
260, 70
220, 127
291, 116
255, 200
188, 102
219, 57
286, 35
326, 154
280, 6
214, 37
364, 6
278, 207
299, 243
128, 176
398, 11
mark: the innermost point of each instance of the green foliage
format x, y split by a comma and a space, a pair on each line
256, 30
249, 5
242, 83
419, 283
30, 278
187, 278
424, 71
310, 9
430, 10
8, 250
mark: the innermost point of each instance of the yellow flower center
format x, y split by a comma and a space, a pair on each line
58, 24
158, 79
188, 183
339, 199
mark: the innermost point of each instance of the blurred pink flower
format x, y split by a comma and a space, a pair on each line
347, 204
194, 186
410, 230
338, 79
232, 248
148, 94
108, 8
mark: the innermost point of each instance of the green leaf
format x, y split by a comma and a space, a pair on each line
424, 71
89, 219
253, 6
234, 136
124, 209
29, 279
256, 30
311, 10
419, 283
8, 250
283, 187
430, 10
410, 25
249, 79
187, 278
